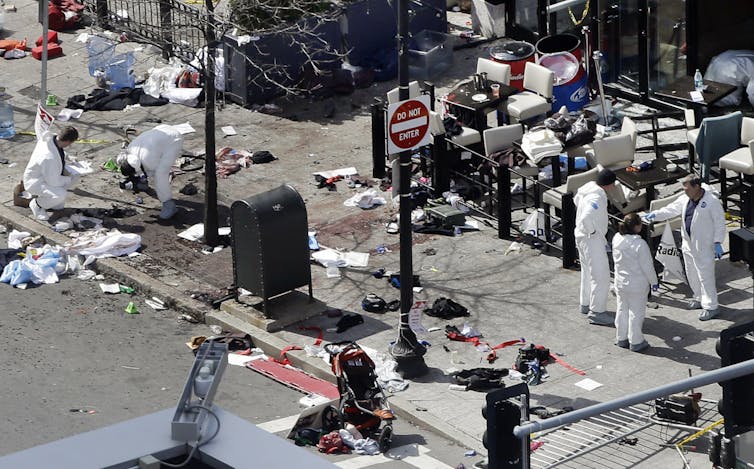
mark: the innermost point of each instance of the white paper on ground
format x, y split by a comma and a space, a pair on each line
228, 130
194, 233
155, 305
345, 172
184, 128
356, 259
109, 287
589, 384
241, 360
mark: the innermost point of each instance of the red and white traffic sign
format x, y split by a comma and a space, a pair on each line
408, 124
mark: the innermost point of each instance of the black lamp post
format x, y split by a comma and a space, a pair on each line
210, 175
407, 351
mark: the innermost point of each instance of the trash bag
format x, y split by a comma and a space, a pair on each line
582, 131
534, 224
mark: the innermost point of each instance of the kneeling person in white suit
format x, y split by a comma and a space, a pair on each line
152, 155
45, 177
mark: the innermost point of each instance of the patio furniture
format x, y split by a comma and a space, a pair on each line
537, 97
501, 138
740, 161
715, 137
495, 71
472, 105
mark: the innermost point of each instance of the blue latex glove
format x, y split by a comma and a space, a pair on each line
718, 250
655, 287
650, 216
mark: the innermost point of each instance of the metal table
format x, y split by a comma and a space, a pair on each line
461, 97
648, 179
680, 90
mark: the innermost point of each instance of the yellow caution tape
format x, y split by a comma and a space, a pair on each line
81, 140
700, 432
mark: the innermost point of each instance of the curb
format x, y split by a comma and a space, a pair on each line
269, 343
403, 407
112, 267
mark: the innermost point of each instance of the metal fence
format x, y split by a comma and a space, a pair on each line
175, 27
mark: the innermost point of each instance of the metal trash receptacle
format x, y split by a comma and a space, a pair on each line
270, 241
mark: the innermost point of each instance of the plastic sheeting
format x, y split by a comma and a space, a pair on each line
103, 243
734, 67
39, 266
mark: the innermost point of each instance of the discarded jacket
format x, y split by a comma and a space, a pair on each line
373, 304
445, 308
478, 379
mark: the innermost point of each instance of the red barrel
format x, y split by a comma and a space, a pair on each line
560, 43
571, 88
515, 54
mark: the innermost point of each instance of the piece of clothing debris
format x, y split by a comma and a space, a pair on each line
348, 321
365, 200
481, 379
103, 243
102, 100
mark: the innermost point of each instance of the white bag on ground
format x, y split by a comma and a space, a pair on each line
669, 256
534, 225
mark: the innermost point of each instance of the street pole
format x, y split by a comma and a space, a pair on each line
44, 13
407, 351
210, 173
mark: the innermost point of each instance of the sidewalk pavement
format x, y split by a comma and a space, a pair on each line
524, 293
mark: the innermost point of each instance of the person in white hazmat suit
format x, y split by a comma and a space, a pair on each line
45, 177
634, 275
151, 155
703, 233
591, 228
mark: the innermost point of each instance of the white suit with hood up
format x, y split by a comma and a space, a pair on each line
43, 176
153, 153
591, 228
634, 275
707, 228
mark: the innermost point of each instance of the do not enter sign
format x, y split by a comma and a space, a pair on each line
408, 125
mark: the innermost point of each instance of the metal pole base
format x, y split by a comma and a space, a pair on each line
409, 353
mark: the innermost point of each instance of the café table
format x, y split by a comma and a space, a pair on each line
463, 96
680, 90
648, 179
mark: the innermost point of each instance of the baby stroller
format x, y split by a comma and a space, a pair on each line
362, 401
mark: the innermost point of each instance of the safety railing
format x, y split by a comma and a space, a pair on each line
621, 413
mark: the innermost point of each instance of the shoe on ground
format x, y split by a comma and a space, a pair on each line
639, 347
39, 212
694, 304
601, 319
622, 343
584, 309
169, 209
708, 314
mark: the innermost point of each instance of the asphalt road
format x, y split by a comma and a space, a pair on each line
75, 361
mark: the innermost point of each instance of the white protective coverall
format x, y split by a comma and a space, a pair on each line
591, 227
43, 176
707, 228
634, 275
154, 153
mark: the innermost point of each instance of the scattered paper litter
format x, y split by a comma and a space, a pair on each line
109, 287
185, 128
356, 259
589, 384
241, 360
155, 305
196, 232
345, 172
228, 130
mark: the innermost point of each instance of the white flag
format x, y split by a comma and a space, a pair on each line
42, 122
669, 256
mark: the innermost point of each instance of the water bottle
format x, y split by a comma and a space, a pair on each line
698, 82
7, 128
203, 380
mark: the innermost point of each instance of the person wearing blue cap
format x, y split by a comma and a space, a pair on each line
591, 228
702, 236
